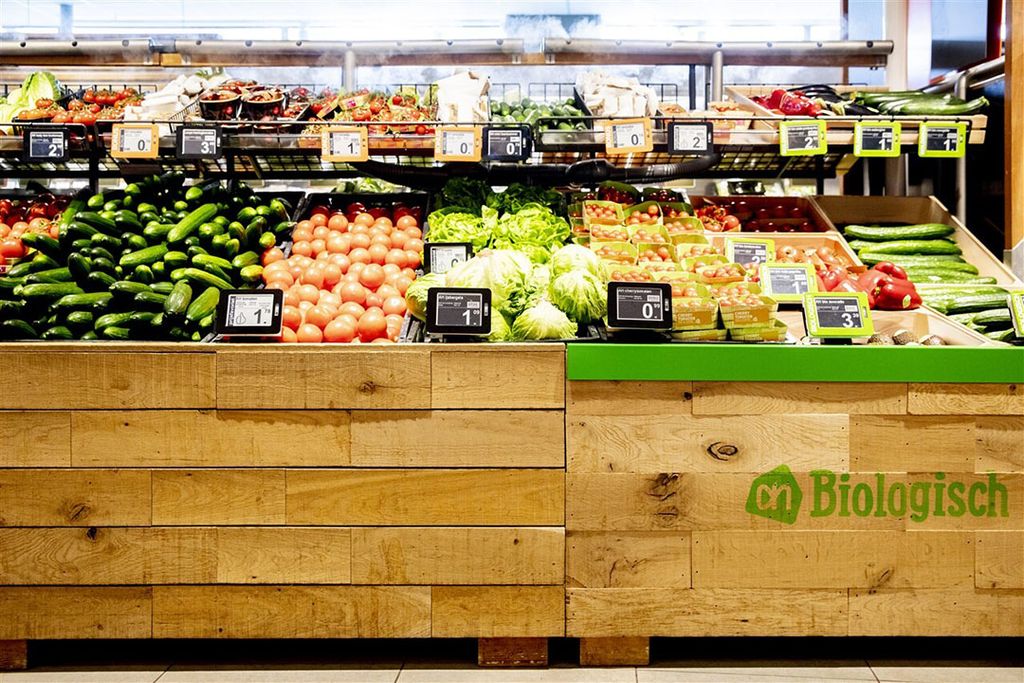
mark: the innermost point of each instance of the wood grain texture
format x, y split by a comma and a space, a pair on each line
35, 439
426, 497
752, 398
616, 612
936, 612
511, 652
622, 559
1000, 443
121, 380
199, 497
287, 555
635, 651
458, 438
832, 559
39, 613
497, 377
13, 655
291, 612
657, 443
32, 497
327, 377
458, 555
883, 443
498, 611
629, 398
965, 399
224, 438
999, 559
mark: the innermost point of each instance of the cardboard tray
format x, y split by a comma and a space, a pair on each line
801, 241
752, 203
924, 321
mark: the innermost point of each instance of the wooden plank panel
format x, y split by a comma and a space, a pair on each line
426, 497
965, 399
509, 652
655, 443
101, 555
499, 377
629, 398
196, 497
832, 559
291, 612
75, 498
1000, 443
458, 556
618, 559
634, 651
458, 438
498, 611
980, 501
283, 555
880, 443
199, 438
602, 612
13, 655
331, 377
35, 439
999, 559
752, 398
112, 380
936, 612
72, 612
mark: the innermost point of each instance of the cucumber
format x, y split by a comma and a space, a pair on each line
248, 258
206, 324
8, 285
57, 332
877, 233
144, 257
176, 303
150, 300
947, 261
203, 305
977, 302
96, 201
115, 333
231, 248
157, 232
217, 271
98, 281
125, 290
944, 275
267, 240
94, 301
134, 242
17, 329
100, 252
106, 241
191, 222
923, 247
997, 317
104, 225
80, 321
162, 287
79, 231
11, 309
80, 244
89, 336
176, 259
254, 231
143, 274
141, 320
251, 273
49, 290
23, 268
52, 275
79, 265
159, 270
1000, 335
202, 260
42, 243
112, 320
207, 231
104, 265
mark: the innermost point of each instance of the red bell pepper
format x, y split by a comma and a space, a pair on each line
896, 295
833, 276
892, 269
870, 280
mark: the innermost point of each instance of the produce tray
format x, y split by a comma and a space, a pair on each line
801, 241
924, 321
746, 209
334, 200
842, 211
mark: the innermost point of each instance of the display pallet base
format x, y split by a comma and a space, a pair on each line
13, 655
629, 651
512, 652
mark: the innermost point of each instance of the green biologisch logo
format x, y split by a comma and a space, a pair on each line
775, 495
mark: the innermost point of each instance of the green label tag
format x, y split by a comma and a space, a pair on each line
876, 139
802, 138
843, 315
942, 140
788, 282
1017, 312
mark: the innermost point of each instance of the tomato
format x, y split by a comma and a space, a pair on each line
372, 276
318, 246
409, 273
309, 334
12, 249
302, 248
383, 221
406, 221
321, 232
399, 239
318, 219
291, 296
372, 325
338, 222
272, 255
731, 223
353, 291
373, 300
402, 284
319, 316
412, 258
291, 317
359, 255
342, 261
364, 219
313, 276
282, 277
288, 336
309, 293
361, 241
380, 238
331, 275
351, 308
395, 304
340, 330
414, 244
386, 291
378, 252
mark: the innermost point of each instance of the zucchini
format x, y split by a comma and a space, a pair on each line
49, 290
17, 329
977, 302
191, 222
144, 257
83, 302
42, 243
176, 303
57, 332
923, 247
112, 320
203, 305
878, 233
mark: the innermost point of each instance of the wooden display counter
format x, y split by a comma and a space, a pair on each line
200, 491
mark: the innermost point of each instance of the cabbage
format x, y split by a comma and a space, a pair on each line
532, 226
581, 295
543, 321
500, 330
536, 288
574, 257
501, 271
38, 85
448, 225
416, 295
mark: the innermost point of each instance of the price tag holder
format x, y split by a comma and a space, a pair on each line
458, 310
250, 313
788, 282
439, 257
802, 138
942, 140
691, 138
198, 142
832, 315
458, 143
876, 139
1017, 312
343, 144
46, 144
627, 136
507, 143
135, 141
646, 306
746, 251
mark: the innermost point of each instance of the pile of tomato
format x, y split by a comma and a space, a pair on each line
101, 105
18, 216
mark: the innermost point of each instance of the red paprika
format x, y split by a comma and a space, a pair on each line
892, 269
896, 295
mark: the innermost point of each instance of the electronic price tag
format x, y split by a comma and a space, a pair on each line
627, 136
876, 139
788, 282
134, 141
749, 251
507, 143
1017, 312
645, 306
690, 138
198, 142
439, 257
458, 143
831, 315
343, 144
802, 138
250, 313
46, 144
942, 140
459, 310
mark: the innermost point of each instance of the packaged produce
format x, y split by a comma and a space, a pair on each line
694, 313
749, 310
775, 331
616, 252
606, 95
462, 98
602, 212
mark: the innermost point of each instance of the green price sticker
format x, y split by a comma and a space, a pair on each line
876, 139
1017, 312
788, 282
831, 314
802, 138
942, 140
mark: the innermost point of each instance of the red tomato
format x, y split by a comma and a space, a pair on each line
396, 257
359, 255
409, 273
303, 232
314, 275
321, 232
272, 255
12, 249
351, 308
373, 300
412, 258
288, 336
372, 276
378, 252
380, 239
353, 291
342, 261
291, 317
372, 325
291, 297
415, 233
406, 222
364, 219
309, 293
395, 305
309, 334
318, 219
302, 248
338, 222
399, 239
318, 316
340, 330
402, 284
332, 275
318, 246
360, 241
385, 221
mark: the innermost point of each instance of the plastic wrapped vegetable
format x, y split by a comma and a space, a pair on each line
575, 257
543, 321
581, 295
501, 271
416, 295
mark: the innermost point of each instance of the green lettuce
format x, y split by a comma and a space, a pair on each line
574, 257
543, 321
38, 85
501, 271
416, 295
455, 225
581, 294
532, 226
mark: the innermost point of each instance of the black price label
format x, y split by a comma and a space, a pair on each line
690, 138
457, 310
789, 280
942, 140
195, 142
250, 312
746, 253
641, 306
46, 144
507, 144
441, 256
837, 312
876, 139
845, 315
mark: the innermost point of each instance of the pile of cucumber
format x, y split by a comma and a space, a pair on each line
148, 262
983, 309
558, 116
926, 251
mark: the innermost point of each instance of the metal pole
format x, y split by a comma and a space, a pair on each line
961, 162
348, 75
717, 83
693, 86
